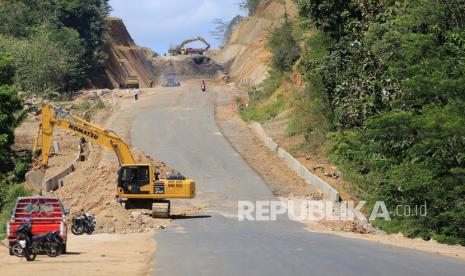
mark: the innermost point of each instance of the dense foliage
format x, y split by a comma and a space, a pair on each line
12, 167
47, 47
56, 44
386, 80
284, 47
384, 98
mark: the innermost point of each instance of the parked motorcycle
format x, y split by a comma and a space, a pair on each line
83, 224
28, 246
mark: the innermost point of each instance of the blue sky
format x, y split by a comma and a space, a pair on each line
158, 24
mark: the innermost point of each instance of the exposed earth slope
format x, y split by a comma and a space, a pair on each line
125, 58
245, 54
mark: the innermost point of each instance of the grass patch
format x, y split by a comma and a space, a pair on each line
293, 126
86, 105
264, 112
261, 108
11, 194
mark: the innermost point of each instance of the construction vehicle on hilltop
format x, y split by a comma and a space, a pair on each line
139, 186
181, 50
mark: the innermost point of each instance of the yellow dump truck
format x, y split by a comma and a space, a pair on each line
131, 82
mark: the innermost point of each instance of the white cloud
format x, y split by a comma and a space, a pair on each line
160, 23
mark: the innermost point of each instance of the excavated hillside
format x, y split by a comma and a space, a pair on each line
186, 67
245, 55
125, 58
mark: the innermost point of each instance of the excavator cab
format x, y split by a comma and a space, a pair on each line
133, 179
138, 188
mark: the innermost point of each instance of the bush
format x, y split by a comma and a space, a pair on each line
386, 78
45, 62
7, 68
284, 48
53, 51
12, 167
260, 107
8, 196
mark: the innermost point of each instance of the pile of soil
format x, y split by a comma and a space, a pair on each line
92, 188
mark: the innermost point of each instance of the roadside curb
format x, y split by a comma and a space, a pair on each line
294, 164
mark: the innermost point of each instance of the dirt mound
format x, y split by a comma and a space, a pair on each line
187, 67
245, 55
125, 58
92, 188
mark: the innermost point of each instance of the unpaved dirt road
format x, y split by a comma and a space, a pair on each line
179, 128
100, 254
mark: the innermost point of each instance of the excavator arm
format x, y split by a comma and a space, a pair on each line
201, 39
54, 116
182, 50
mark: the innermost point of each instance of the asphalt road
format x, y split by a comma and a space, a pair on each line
179, 128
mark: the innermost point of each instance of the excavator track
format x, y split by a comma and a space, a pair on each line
161, 209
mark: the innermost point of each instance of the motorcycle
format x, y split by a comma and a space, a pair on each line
203, 86
29, 246
83, 224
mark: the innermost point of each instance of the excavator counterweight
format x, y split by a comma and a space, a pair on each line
137, 186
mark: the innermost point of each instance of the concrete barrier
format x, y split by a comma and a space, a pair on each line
294, 164
52, 183
268, 141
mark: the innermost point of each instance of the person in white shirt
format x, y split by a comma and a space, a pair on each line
136, 94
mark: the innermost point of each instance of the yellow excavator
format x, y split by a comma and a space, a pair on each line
139, 186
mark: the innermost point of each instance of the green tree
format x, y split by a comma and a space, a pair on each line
284, 47
10, 104
72, 31
11, 169
48, 61
334, 17
7, 69
87, 18
390, 84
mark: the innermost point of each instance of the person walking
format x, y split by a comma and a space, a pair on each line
203, 86
136, 94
